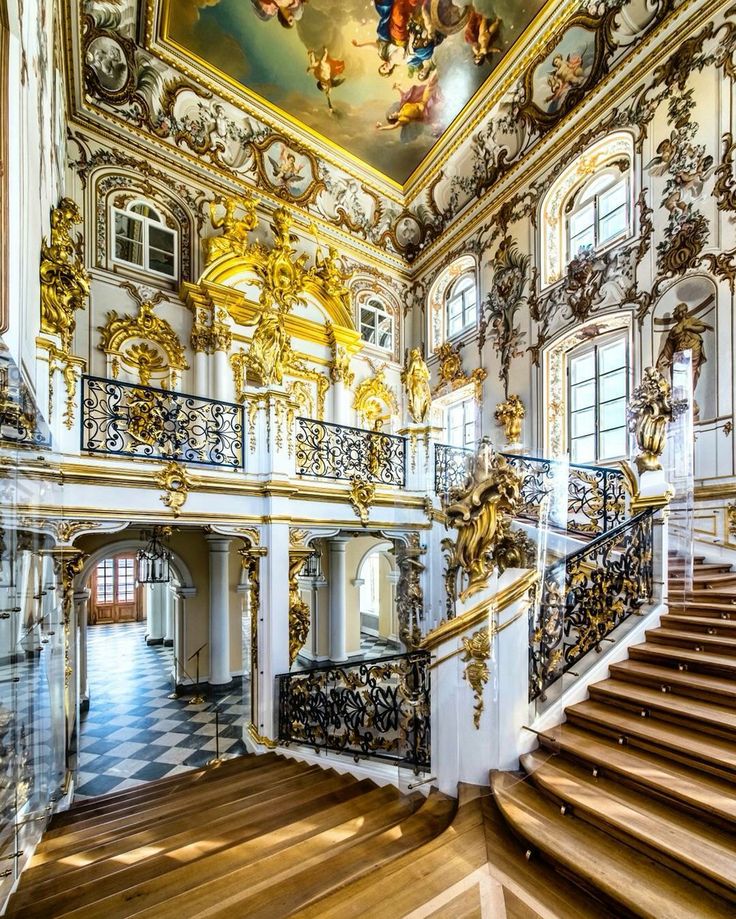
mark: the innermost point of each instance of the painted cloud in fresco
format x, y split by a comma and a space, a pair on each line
381, 78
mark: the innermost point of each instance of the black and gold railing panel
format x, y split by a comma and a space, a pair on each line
336, 451
596, 495
376, 708
123, 419
587, 595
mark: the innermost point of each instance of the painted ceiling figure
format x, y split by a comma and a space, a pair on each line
286, 169
566, 74
480, 33
685, 335
326, 70
416, 106
287, 11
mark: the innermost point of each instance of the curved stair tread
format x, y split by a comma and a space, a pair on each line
722, 717
694, 607
680, 783
680, 837
674, 680
682, 622
191, 873
705, 748
706, 660
120, 870
625, 876
680, 635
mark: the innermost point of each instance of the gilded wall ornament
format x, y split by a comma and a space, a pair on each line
731, 520
415, 377
299, 613
649, 412
375, 401
506, 297
177, 483
476, 512
269, 349
128, 339
340, 371
409, 593
361, 498
514, 549
724, 188
64, 280
234, 238
451, 373
509, 415
476, 652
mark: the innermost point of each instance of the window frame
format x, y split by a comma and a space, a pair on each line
452, 296
585, 200
595, 348
147, 222
378, 311
469, 409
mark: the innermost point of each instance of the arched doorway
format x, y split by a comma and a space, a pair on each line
376, 578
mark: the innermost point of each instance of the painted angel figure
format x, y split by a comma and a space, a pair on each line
326, 71
287, 11
416, 106
286, 169
567, 73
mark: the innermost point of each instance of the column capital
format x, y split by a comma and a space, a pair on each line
83, 594
186, 592
218, 543
338, 543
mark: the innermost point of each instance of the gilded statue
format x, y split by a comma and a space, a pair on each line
509, 415
685, 335
65, 283
492, 491
329, 269
299, 615
269, 349
415, 377
649, 412
235, 230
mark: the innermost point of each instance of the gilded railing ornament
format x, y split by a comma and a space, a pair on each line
476, 512
64, 281
361, 498
299, 614
235, 230
177, 483
649, 412
415, 377
509, 415
476, 651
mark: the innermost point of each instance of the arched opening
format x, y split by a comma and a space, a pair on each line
452, 307
376, 578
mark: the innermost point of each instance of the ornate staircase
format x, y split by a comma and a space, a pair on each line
633, 796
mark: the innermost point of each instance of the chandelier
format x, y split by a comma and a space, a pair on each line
154, 561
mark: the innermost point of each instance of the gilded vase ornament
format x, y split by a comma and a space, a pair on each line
235, 230
64, 281
492, 491
649, 412
509, 415
415, 378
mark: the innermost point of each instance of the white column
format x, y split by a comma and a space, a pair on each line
219, 611
201, 382
81, 602
169, 619
338, 600
155, 600
341, 409
180, 644
223, 377
273, 617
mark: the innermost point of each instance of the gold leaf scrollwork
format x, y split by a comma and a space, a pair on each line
177, 483
299, 613
361, 498
65, 283
375, 400
649, 412
340, 371
477, 650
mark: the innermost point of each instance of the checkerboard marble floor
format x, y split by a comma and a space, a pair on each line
133, 733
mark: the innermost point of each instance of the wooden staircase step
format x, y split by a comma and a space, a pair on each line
191, 872
705, 580
681, 682
712, 798
709, 625
708, 610
202, 798
702, 716
685, 659
679, 565
83, 886
226, 823
704, 853
678, 743
638, 884
361, 858
675, 637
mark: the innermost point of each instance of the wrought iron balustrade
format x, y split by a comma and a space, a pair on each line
335, 451
376, 708
596, 495
21, 422
124, 419
585, 596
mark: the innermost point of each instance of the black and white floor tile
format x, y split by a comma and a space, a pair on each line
373, 646
133, 732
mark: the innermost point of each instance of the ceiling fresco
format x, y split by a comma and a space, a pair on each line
381, 80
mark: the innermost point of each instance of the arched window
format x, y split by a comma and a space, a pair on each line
142, 239
461, 305
589, 206
377, 324
453, 301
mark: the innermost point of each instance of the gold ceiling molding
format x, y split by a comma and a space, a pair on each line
139, 332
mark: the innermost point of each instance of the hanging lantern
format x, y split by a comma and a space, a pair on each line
154, 561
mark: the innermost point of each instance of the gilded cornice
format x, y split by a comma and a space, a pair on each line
482, 612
